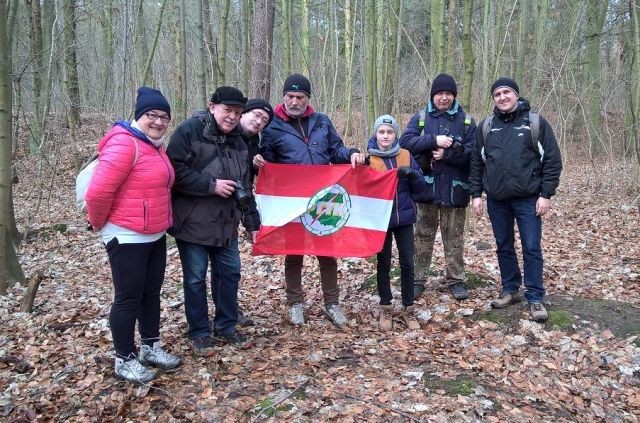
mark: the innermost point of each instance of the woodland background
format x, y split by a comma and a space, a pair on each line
69, 68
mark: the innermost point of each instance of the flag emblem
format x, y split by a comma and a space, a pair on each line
328, 211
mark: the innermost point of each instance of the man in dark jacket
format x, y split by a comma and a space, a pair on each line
210, 158
441, 138
300, 135
519, 175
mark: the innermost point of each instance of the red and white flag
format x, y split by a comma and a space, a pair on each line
323, 210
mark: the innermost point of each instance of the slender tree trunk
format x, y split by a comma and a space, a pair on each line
180, 102
142, 45
71, 83
596, 12
261, 48
634, 93
287, 45
523, 31
468, 56
487, 30
304, 39
147, 72
222, 53
348, 60
211, 75
452, 37
370, 57
106, 23
541, 8
245, 31
35, 38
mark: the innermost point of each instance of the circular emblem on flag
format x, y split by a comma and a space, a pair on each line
327, 211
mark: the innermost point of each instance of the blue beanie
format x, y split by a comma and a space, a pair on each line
150, 99
386, 120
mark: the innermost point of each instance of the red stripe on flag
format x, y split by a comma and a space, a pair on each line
294, 239
306, 180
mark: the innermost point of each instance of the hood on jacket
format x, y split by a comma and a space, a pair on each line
123, 127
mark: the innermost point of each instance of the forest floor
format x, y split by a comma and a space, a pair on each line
467, 363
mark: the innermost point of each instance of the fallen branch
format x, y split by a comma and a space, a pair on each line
381, 405
32, 290
275, 405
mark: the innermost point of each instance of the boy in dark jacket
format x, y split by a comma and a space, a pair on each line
441, 138
386, 154
519, 175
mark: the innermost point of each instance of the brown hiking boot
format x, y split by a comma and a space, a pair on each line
506, 299
538, 312
385, 322
409, 318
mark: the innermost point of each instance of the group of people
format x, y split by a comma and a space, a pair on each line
200, 188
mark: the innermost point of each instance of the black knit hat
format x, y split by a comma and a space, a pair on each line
297, 82
505, 82
444, 82
228, 95
258, 103
150, 99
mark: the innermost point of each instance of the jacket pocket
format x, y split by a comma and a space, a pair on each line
145, 211
459, 193
428, 191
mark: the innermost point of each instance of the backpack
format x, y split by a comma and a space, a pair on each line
533, 120
423, 115
83, 180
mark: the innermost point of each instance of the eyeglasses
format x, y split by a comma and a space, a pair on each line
261, 118
153, 117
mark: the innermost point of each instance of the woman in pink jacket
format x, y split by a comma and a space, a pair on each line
129, 202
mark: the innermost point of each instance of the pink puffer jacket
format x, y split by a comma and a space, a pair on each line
137, 197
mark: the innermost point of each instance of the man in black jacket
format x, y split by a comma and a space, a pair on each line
519, 175
209, 157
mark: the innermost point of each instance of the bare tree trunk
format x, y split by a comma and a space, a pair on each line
142, 45
398, 7
106, 22
35, 38
468, 56
370, 57
261, 48
222, 53
245, 32
147, 72
180, 103
596, 12
287, 45
523, 31
304, 40
211, 76
71, 73
452, 37
10, 270
348, 60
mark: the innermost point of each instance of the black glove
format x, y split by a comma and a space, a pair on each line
407, 172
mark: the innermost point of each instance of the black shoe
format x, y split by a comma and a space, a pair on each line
203, 346
459, 291
235, 338
244, 320
418, 289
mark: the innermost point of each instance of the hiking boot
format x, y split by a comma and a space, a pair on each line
459, 291
157, 357
235, 338
385, 322
409, 318
296, 314
244, 320
538, 312
133, 371
335, 314
418, 289
506, 299
203, 346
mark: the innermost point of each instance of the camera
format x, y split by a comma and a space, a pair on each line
457, 146
241, 195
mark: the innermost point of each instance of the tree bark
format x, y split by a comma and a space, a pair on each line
261, 48
468, 56
523, 31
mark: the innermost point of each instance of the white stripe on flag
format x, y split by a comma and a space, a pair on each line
366, 212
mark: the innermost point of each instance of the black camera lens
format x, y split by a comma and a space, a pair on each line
241, 195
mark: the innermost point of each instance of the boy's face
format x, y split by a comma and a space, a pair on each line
385, 136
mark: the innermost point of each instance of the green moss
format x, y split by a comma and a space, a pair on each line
171, 241
59, 227
461, 385
561, 318
395, 272
492, 316
474, 281
370, 283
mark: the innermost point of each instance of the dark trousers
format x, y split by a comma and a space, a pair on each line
225, 276
138, 272
502, 215
328, 279
404, 243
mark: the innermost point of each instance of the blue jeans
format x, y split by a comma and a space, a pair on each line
502, 215
225, 276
